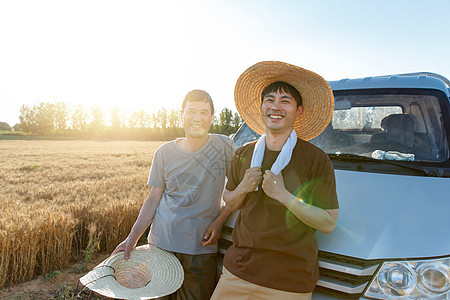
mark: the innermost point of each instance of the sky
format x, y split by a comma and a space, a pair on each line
147, 55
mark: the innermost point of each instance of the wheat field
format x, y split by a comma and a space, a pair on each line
60, 199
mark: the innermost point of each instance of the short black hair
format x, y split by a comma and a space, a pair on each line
281, 86
198, 96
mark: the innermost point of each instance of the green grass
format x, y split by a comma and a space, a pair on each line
12, 135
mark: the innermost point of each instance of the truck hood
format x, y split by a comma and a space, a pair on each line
390, 216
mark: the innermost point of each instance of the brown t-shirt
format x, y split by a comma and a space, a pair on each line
271, 247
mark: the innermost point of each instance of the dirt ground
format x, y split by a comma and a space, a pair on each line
59, 285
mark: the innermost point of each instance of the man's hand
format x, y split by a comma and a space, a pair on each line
124, 246
251, 180
273, 185
315, 217
212, 234
234, 199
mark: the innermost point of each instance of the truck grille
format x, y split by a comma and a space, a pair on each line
341, 276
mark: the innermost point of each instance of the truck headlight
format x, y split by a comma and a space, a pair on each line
415, 279
434, 279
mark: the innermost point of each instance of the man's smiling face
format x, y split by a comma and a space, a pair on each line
279, 111
197, 118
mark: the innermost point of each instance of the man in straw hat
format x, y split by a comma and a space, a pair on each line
284, 186
187, 177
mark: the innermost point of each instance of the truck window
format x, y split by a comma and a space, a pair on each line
363, 118
406, 125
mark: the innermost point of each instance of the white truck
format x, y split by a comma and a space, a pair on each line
389, 144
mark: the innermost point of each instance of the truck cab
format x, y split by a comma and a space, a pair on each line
389, 143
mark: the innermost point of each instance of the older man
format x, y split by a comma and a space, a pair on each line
187, 179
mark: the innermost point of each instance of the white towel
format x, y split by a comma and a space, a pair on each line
283, 158
392, 155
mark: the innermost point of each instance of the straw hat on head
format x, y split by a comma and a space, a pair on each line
317, 96
149, 273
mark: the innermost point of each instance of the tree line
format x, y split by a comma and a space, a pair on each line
57, 120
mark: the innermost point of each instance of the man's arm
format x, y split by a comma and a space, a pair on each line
313, 216
144, 219
214, 230
235, 199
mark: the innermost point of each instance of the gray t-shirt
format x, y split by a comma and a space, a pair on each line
193, 183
